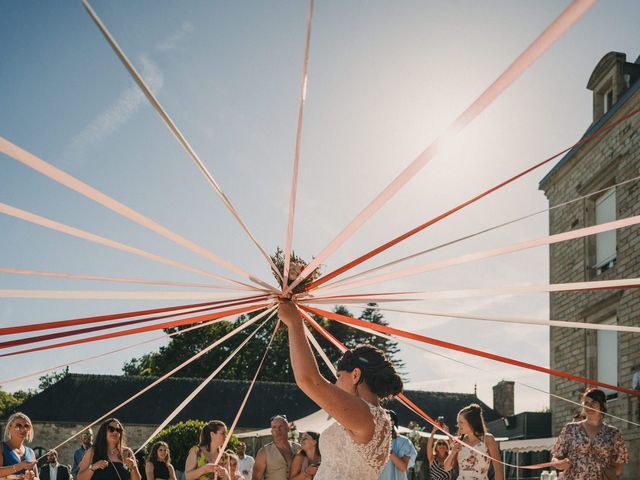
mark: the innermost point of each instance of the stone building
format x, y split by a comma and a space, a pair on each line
599, 165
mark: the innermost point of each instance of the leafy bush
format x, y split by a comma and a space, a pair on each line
181, 437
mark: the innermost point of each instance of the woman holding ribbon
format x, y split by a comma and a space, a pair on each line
590, 449
18, 459
480, 449
201, 461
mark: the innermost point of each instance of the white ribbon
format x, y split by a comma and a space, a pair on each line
472, 257
63, 178
204, 383
168, 374
75, 232
173, 128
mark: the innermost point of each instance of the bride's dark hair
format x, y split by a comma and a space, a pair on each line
377, 372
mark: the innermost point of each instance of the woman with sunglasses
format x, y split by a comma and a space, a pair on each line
109, 458
358, 444
306, 462
436, 455
590, 449
17, 459
158, 464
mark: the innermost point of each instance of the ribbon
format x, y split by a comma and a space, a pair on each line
296, 157
102, 278
480, 232
246, 396
104, 354
149, 328
166, 375
450, 212
472, 257
412, 406
63, 178
476, 292
206, 381
104, 318
174, 129
547, 38
51, 336
472, 351
420, 347
76, 232
528, 321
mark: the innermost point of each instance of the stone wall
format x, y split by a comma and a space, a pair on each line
612, 158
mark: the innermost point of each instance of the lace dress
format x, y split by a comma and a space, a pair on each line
343, 459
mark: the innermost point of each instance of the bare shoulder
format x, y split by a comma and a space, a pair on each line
489, 439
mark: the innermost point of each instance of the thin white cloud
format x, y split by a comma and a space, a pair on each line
116, 115
176, 38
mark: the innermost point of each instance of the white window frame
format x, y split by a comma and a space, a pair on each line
607, 104
607, 357
605, 210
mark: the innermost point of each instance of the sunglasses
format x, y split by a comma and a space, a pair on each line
278, 416
114, 429
20, 426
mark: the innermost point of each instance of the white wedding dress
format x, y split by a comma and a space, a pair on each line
343, 459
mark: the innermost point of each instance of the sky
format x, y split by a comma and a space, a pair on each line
385, 79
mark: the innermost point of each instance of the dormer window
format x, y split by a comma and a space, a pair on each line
608, 100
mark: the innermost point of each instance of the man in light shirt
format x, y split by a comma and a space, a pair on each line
245, 462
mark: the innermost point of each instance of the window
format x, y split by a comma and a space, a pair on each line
605, 211
608, 100
607, 349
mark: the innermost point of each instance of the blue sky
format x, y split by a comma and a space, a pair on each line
385, 78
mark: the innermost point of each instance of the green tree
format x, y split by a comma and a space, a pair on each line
243, 366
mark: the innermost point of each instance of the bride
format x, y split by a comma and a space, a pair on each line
357, 445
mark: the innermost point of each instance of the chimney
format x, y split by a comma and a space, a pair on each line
503, 398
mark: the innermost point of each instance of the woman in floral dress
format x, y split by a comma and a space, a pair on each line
590, 449
473, 464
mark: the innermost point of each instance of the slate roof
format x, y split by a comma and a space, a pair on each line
82, 398
629, 93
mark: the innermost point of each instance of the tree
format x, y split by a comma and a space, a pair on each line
243, 366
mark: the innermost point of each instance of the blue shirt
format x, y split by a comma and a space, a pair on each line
402, 447
78, 455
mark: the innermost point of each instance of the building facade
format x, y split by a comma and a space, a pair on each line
602, 170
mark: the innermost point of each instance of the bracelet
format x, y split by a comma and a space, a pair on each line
91, 467
14, 468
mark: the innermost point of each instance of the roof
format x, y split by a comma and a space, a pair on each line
630, 92
524, 425
82, 398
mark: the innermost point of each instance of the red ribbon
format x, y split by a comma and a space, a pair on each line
114, 316
444, 215
51, 336
417, 410
472, 351
148, 328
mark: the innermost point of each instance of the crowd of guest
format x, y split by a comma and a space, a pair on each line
107, 456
